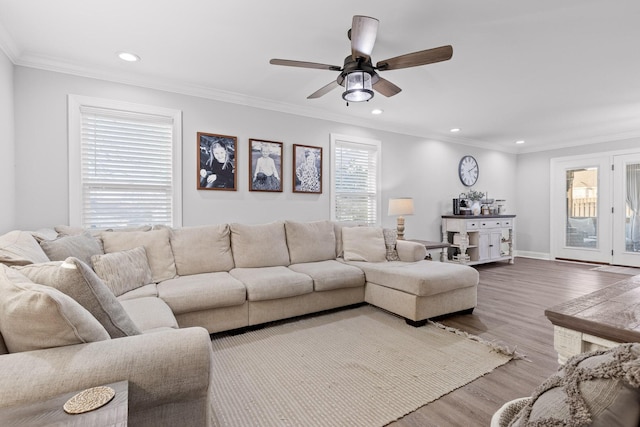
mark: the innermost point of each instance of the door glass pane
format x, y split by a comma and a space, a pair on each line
632, 211
582, 208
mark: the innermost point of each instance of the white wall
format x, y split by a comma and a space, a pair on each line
7, 158
423, 169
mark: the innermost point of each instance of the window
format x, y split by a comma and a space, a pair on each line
355, 179
124, 164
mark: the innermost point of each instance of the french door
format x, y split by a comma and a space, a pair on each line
581, 209
595, 208
626, 210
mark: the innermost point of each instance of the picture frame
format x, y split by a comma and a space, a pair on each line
265, 165
216, 162
307, 169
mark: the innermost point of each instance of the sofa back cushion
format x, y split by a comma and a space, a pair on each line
156, 243
205, 249
123, 271
364, 244
82, 246
20, 248
34, 316
310, 241
77, 280
262, 245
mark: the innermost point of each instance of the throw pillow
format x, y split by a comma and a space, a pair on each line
76, 279
262, 245
123, 271
205, 249
390, 241
363, 244
35, 316
310, 241
155, 242
82, 246
20, 248
599, 389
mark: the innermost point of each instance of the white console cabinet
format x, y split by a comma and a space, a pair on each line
479, 239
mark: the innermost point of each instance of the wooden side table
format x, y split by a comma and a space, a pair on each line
430, 245
50, 412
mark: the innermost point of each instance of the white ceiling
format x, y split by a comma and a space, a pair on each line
554, 73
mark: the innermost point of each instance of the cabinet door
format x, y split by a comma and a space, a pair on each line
495, 244
484, 241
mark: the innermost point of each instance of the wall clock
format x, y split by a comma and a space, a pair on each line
468, 170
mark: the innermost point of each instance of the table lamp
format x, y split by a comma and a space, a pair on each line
401, 206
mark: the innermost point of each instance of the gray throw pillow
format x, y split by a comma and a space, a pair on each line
390, 242
123, 271
35, 317
80, 282
598, 389
82, 246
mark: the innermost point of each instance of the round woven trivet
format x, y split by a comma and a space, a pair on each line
89, 399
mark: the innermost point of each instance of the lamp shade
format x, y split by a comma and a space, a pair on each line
401, 206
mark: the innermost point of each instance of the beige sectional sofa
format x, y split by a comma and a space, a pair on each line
152, 296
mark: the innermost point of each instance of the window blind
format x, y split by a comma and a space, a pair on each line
356, 182
126, 168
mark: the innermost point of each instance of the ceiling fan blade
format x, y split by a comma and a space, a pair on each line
304, 64
363, 36
386, 88
324, 90
423, 57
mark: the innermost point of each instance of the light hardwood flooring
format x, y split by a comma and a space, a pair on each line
511, 304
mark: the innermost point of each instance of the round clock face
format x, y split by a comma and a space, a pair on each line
468, 170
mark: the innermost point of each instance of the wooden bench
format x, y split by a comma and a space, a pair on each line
601, 319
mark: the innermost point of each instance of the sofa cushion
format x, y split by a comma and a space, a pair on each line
20, 248
150, 290
263, 245
82, 246
123, 271
363, 244
150, 313
155, 242
420, 278
331, 274
202, 291
310, 241
272, 282
34, 316
202, 249
80, 282
598, 389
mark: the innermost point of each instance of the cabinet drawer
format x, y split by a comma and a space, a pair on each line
491, 223
506, 223
473, 224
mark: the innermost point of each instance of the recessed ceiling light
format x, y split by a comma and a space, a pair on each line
129, 57
377, 111
454, 130
520, 141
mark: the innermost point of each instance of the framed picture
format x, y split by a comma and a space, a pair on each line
216, 162
265, 165
307, 169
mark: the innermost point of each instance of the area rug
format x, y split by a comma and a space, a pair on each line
630, 271
355, 367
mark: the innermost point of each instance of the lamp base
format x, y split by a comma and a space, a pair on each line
400, 228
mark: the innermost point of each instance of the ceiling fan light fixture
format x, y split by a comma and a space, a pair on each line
357, 87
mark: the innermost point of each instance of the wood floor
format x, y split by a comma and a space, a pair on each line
511, 304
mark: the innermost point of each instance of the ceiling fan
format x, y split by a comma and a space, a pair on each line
358, 75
